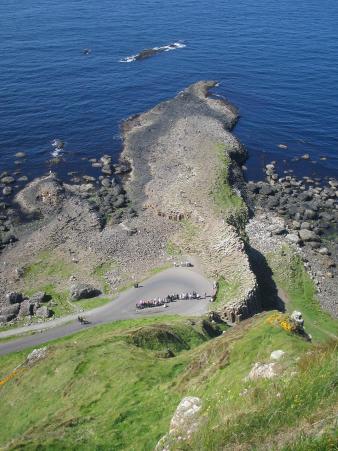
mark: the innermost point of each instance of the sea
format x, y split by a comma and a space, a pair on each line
68, 72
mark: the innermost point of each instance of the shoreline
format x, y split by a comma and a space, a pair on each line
179, 185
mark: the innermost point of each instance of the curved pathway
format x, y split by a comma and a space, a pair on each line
173, 280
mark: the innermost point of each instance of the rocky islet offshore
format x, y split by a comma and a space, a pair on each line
165, 180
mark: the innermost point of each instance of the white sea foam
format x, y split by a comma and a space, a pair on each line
164, 48
56, 152
58, 145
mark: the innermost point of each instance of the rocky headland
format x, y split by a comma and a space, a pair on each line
178, 191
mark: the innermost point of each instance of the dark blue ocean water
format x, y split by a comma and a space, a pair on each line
276, 61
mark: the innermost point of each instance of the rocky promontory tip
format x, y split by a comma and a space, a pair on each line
186, 168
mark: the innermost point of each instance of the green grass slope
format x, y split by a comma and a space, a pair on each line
300, 293
111, 387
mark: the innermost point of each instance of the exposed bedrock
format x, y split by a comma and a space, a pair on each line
186, 187
186, 168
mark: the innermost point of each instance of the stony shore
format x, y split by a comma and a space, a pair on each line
178, 191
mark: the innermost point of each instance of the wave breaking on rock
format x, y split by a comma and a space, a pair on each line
148, 53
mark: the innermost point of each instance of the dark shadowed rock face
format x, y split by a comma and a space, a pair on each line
13, 298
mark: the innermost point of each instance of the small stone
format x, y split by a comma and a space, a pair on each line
8, 180
106, 182
26, 308
305, 225
267, 190
36, 355
88, 178
39, 297
314, 244
297, 319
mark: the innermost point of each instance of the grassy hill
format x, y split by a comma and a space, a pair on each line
117, 386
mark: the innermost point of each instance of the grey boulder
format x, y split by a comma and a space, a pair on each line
308, 235
39, 297
83, 291
43, 312
26, 308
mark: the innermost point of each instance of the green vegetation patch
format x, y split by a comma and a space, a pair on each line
226, 291
131, 391
290, 275
173, 249
179, 337
264, 411
100, 272
48, 266
231, 205
128, 396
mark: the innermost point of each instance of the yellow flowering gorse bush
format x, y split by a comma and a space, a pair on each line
283, 321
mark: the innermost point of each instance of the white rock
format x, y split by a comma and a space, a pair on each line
263, 371
185, 412
293, 238
277, 355
36, 355
184, 422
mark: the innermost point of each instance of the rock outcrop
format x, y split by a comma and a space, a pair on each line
83, 291
182, 156
263, 371
184, 423
177, 151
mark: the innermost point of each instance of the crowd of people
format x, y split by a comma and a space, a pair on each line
158, 302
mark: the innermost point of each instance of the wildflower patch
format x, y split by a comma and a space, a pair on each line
283, 321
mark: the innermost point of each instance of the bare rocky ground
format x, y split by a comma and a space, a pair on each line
175, 156
184, 142
302, 213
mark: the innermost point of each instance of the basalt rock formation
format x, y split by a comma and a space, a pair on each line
185, 186
177, 151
